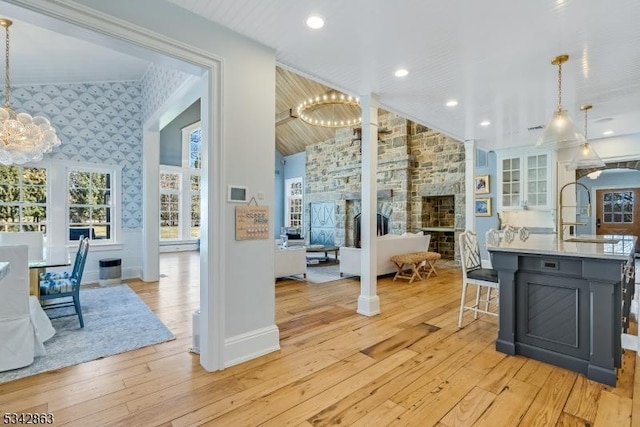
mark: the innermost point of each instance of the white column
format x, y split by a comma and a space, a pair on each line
368, 301
150, 203
469, 184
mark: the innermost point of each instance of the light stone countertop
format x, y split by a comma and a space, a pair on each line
606, 247
4, 269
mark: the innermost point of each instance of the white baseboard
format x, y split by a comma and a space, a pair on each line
247, 346
178, 248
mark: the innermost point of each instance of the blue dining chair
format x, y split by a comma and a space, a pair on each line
55, 285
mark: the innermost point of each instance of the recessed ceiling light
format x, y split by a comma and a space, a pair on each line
485, 123
401, 72
607, 132
451, 103
315, 22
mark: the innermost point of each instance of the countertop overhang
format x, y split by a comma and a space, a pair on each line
585, 246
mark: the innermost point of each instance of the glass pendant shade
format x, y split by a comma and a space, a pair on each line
22, 138
560, 129
586, 158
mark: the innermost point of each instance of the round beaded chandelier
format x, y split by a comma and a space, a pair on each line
331, 110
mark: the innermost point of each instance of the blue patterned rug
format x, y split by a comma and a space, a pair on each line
115, 320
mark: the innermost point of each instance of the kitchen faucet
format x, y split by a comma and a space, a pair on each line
560, 221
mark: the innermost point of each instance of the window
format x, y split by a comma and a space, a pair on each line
61, 199
524, 181
293, 208
89, 208
180, 190
23, 198
617, 207
170, 206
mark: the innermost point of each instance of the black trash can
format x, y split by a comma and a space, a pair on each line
110, 271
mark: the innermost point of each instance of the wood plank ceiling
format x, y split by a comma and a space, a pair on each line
293, 135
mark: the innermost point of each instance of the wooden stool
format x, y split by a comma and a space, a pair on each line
414, 260
430, 259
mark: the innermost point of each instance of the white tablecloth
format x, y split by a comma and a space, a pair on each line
42, 328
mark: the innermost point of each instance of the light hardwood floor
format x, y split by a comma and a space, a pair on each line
409, 366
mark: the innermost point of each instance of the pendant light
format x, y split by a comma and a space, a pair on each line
560, 128
586, 157
22, 138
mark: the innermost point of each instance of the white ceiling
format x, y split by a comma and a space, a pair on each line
493, 56
42, 56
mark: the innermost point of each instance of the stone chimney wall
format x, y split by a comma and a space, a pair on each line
413, 162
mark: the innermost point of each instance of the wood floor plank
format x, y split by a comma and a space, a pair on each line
469, 409
613, 410
584, 398
334, 394
510, 405
436, 402
409, 365
399, 341
547, 406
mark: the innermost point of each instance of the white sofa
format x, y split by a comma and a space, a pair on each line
290, 261
388, 246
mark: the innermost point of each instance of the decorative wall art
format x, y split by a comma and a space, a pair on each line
482, 207
481, 184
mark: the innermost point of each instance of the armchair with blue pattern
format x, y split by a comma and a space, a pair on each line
56, 285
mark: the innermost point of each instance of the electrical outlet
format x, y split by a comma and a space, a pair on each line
260, 195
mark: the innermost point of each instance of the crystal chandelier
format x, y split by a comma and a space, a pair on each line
586, 157
22, 138
560, 128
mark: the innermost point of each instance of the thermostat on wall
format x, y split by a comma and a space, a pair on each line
237, 194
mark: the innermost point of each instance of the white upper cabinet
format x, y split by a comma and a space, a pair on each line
524, 181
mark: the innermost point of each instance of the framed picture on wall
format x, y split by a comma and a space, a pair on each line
482, 206
481, 184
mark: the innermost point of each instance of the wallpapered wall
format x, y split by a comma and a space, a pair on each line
102, 123
97, 123
158, 83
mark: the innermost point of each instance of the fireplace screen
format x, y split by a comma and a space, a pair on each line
382, 227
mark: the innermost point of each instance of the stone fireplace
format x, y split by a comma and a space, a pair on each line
438, 219
420, 182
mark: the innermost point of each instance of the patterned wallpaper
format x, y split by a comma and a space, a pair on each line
97, 123
158, 83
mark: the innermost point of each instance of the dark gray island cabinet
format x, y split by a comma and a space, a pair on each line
566, 302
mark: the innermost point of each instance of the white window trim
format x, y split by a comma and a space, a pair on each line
287, 200
57, 211
186, 132
184, 195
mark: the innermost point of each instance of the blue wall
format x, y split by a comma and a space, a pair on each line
171, 135
278, 209
484, 223
295, 165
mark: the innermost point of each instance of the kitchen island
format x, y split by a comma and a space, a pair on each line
566, 302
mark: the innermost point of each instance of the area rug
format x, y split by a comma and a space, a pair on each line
115, 320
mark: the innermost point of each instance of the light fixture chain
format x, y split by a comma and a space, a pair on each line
7, 78
586, 138
560, 86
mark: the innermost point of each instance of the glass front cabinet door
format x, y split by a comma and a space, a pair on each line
524, 181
